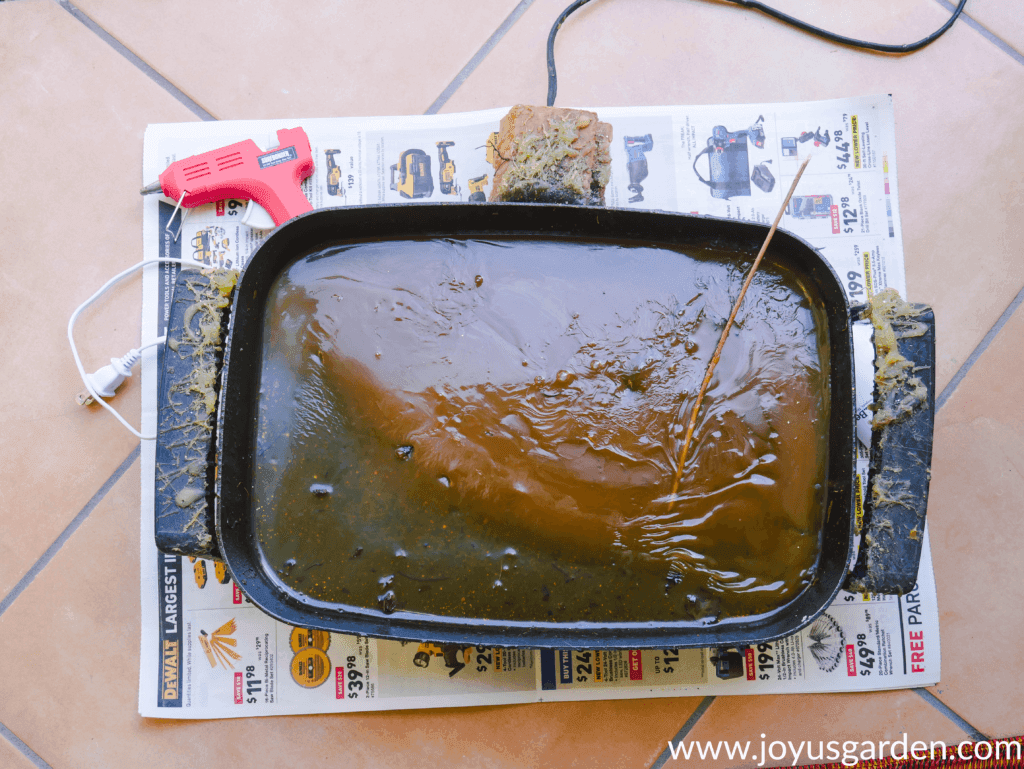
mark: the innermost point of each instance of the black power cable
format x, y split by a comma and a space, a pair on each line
768, 10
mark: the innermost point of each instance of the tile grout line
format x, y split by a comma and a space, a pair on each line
985, 32
478, 57
684, 730
978, 351
17, 742
65, 535
974, 733
147, 70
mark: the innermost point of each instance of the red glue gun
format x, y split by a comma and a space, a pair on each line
272, 179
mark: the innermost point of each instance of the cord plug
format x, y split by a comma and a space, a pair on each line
106, 381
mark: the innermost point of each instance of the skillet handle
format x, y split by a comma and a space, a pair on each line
186, 425
900, 469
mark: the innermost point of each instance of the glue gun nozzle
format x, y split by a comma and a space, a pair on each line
149, 189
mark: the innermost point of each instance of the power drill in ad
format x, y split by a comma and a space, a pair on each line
271, 180
756, 133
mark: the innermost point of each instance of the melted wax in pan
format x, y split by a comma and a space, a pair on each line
490, 429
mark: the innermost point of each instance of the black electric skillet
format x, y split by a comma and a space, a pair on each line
205, 467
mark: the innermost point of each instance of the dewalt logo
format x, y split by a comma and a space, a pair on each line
171, 667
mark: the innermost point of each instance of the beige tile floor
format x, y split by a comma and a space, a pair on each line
78, 84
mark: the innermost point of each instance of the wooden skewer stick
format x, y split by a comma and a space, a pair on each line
725, 335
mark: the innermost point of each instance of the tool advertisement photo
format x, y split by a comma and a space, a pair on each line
410, 176
636, 146
728, 160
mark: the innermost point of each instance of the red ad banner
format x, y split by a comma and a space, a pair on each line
636, 668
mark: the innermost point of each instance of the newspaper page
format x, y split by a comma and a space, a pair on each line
847, 207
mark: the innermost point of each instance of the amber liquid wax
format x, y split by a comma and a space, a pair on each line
490, 430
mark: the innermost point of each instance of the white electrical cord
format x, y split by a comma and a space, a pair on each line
126, 362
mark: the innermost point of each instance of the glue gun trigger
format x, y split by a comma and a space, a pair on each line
256, 216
